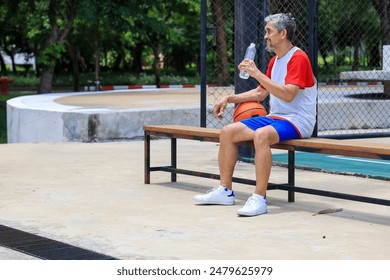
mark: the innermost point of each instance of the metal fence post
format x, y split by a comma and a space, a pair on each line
203, 63
313, 46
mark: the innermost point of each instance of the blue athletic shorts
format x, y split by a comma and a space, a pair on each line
285, 129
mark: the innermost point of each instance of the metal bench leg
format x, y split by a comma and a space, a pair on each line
147, 158
291, 175
173, 158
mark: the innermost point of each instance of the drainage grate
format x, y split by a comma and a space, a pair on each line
45, 248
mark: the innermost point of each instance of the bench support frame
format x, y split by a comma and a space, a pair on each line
290, 186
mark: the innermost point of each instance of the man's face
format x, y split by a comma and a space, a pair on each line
272, 37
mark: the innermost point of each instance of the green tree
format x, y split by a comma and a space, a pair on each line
100, 27
50, 24
349, 29
127, 34
167, 28
85, 35
13, 33
383, 9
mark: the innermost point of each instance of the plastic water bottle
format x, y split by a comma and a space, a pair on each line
249, 54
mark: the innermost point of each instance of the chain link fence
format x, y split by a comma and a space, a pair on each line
353, 68
349, 50
220, 57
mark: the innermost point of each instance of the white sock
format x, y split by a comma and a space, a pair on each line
225, 188
260, 197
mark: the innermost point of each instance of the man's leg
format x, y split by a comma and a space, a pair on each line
227, 157
263, 139
228, 150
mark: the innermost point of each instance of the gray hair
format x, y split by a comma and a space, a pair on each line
283, 21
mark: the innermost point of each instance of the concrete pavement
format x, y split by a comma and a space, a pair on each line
92, 195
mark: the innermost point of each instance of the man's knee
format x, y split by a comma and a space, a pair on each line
227, 132
236, 132
265, 136
260, 137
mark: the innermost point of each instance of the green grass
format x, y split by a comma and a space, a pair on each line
3, 118
109, 78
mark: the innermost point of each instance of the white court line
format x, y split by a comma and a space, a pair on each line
362, 160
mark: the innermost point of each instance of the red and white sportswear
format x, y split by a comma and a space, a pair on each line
294, 68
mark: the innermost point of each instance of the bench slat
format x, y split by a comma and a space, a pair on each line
350, 146
182, 129
319, 145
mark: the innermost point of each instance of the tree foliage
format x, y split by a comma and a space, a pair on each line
73, 36
85, 35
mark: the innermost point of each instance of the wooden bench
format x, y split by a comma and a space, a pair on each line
313, 145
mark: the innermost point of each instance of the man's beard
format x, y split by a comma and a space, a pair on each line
269, 48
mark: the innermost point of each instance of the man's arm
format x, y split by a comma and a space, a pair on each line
257, 94
285, 92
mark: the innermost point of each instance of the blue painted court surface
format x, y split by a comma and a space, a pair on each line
339, 164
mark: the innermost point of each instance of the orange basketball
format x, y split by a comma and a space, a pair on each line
248, 110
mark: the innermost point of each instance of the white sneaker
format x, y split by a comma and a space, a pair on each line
255, 205
218, 195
